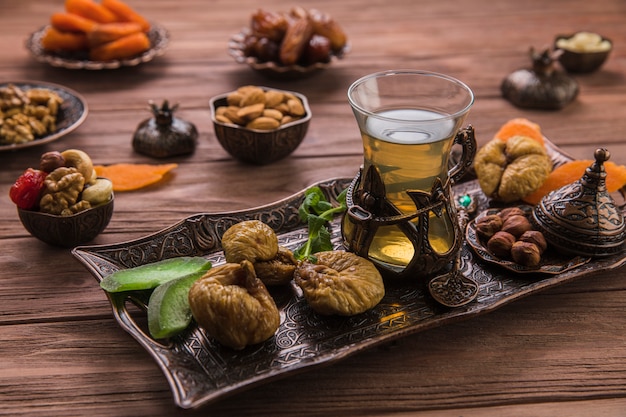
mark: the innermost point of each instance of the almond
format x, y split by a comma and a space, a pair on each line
253, 96
231, 113
273, 113
263, 123
273, 98
295, 107
251, 112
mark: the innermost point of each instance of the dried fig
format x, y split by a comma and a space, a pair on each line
525, 253
250, 240
279, 270
234, 306
500, 244
508, 171
340, 283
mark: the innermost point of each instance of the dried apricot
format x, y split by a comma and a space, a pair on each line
572, 171
520, 127
129, 177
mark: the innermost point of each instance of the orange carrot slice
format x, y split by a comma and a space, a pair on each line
129, 177
520, 127
572, 171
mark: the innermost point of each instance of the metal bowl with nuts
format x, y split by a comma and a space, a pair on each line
67, 231
260, 125
63, 202
583, 52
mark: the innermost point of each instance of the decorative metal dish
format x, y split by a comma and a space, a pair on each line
72, 113
270, 69
158, 35
200, 371
552, 262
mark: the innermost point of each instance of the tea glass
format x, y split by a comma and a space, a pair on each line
401, 212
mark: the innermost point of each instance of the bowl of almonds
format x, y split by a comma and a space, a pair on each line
260, 125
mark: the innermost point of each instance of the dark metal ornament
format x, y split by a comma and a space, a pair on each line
164, 134
455, 288
582, 218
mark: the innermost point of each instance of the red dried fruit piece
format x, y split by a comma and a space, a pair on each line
26, 190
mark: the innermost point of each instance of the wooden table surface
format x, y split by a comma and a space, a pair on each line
561, 352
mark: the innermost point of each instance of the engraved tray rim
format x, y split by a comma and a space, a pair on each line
405, 309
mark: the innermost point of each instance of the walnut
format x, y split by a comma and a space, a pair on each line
62, 187
26, 115
250, 240
234, 306
340, 283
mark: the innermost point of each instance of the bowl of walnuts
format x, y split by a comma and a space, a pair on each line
289, 45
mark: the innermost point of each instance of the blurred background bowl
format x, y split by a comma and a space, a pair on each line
275, 70
578, 61
260, 147
67, 231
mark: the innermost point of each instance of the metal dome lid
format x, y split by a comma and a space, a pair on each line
582, 218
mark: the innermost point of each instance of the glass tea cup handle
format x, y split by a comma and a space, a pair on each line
464, 137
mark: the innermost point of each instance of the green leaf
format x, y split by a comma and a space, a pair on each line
317, 212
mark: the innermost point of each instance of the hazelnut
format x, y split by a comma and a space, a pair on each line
525, 253
487, 225
516, 225
505, 213
500, 244
536, 237
50, 161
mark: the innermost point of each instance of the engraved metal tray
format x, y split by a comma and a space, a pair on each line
200, 371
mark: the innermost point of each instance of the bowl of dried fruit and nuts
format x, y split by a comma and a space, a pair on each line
289, 45
63, 202
260, 125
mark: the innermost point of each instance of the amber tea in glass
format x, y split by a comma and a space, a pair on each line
409, 121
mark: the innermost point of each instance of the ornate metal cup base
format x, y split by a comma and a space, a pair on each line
360, 225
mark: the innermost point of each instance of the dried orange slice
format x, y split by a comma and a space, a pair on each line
520, 127
129, 177
572, 171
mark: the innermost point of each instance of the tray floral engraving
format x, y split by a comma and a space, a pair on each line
200, 371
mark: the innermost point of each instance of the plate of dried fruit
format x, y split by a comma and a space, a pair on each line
157, 35
289, 45
65, 110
